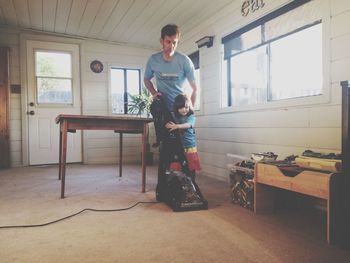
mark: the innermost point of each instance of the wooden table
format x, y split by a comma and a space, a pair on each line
119, 124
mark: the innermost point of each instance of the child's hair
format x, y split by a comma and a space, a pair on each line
180, 102
170, 30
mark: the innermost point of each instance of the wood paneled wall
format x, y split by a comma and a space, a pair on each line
4, 108
285, 130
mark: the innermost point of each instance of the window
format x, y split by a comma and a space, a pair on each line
187, 88
124, 81
53, 74
274, 58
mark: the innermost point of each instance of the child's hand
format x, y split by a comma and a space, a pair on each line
171, 126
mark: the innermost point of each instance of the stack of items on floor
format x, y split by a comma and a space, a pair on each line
242, 176
242, 171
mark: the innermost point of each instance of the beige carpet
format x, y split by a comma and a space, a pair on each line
147, 232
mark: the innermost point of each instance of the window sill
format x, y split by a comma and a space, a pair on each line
281, 104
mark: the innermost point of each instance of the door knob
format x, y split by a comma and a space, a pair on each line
31, 104
30, 112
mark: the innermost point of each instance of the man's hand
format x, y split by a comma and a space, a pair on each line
156, 95
149, 85
171, 126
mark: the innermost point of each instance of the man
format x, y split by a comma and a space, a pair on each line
170, 68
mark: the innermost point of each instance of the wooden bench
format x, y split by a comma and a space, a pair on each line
308, 182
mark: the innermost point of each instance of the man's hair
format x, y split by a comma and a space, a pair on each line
180, 102
170, 30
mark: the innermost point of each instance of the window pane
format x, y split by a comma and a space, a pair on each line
224, 84
123, 81
117, 90
53, 90
53, 64
292, 20
249, 77
133, 81
243, 42
296, 64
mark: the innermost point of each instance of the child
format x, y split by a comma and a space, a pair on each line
185, 119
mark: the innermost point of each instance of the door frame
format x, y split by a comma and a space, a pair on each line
5, 161
24, 37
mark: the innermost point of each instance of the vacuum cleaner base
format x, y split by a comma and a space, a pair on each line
180, 192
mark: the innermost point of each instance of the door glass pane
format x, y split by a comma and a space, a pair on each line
117, 90
54, 90
53, 72
249, 77
53, 64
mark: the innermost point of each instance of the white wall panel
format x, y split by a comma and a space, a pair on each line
326, 138
332, 118
339, 6
113, 142
251, 119
215, 172
340, 24
340, 70
211, 94
336, 94
276, 136
340, 47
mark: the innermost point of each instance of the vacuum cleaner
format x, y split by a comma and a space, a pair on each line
175, 186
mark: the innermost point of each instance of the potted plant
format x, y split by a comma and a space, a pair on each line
140, 105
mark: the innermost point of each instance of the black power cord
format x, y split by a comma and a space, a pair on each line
81, 211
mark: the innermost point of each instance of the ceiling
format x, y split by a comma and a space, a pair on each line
132, 22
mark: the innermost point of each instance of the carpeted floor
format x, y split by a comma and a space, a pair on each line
148, 232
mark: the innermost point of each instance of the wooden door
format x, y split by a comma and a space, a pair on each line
4, 108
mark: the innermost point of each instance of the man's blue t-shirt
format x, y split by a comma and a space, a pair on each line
170, 75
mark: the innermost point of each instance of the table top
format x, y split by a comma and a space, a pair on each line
123, 117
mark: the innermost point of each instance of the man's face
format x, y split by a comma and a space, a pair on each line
169, 44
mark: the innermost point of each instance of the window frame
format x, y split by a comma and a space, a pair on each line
290, 102
36, 76
125, 92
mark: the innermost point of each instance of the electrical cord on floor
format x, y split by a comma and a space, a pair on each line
86, 209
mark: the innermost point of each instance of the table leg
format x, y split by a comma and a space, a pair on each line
120, 153
143, 155
60, 154
63, 150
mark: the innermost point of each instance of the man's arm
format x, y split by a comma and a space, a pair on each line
194, 92
149, 85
